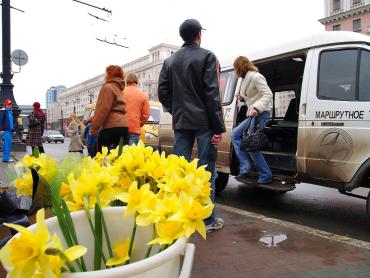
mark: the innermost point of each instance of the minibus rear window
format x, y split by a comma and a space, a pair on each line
337, 74
364, 83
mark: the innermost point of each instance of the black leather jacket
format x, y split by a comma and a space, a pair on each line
188, 88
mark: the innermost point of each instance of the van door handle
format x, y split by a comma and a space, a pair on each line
303, 109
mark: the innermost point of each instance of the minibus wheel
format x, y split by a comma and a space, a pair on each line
221, 181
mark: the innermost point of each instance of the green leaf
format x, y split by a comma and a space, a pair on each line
98, 238
120, 147
72, 232
36, 152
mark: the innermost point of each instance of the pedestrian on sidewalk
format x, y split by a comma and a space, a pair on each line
91, 140
6, 129
137, 108
36, 127
75, 145
257, 95
109, 118
188, 88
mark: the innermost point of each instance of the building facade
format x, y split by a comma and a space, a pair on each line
347, 15
75, 99
52, 95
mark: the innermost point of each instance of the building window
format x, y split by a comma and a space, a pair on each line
356, 2
336, 27
336, 5
357, 25
368, 30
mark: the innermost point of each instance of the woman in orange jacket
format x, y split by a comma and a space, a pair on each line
137, 108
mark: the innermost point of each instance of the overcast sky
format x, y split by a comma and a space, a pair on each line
60, 37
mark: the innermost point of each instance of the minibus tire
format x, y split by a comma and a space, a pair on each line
221, 181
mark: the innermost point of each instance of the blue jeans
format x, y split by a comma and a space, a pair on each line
246, 159
207, 154
7, 148
133, 138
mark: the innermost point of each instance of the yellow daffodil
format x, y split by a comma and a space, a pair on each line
167, 232
121, 252
24, 184
27, 161
101, 156
136, 198
26, 254
192, 213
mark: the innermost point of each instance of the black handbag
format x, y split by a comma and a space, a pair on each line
254, 138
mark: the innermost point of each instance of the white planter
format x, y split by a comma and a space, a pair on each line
165, 264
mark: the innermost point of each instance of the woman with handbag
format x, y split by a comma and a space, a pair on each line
258, 98
36, 126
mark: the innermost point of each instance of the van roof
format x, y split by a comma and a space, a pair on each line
321, 39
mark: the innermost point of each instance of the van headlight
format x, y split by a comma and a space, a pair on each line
150, 137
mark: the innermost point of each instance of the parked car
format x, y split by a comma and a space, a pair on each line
52, 136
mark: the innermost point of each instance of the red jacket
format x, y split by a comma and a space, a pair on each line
137, 108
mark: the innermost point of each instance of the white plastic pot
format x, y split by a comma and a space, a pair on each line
165, 264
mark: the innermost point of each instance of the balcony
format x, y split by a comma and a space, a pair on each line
358, 5
337, 11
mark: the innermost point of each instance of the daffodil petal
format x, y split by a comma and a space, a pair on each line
75, 252
5, 255
24, 270
116, 261
19, 228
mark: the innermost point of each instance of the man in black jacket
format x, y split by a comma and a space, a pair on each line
188, 88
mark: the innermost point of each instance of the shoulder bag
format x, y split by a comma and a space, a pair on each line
254, 138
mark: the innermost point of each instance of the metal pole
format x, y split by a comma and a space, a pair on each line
6, 75
6, 88
61, 116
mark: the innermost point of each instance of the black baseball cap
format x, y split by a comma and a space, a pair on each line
189, 28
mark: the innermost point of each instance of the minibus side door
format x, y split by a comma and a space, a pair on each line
338, 112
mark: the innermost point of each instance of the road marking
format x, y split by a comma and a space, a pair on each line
313, 231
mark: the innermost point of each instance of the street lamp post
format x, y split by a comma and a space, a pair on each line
61, 117
6, 87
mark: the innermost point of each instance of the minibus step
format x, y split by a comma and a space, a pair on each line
279, 183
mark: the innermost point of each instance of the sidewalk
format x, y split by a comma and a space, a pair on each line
15, 157
250, 245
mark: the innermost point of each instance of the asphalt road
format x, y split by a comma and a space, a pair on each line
309, 205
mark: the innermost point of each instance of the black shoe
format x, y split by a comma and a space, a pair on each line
265, 183
243, 176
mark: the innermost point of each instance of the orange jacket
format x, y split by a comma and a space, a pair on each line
137, 108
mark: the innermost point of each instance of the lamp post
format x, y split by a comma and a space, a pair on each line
6, 87
61, 117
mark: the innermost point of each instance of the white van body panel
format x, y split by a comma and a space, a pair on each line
337, 132
321, 39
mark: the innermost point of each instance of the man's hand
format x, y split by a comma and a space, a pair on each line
216, 139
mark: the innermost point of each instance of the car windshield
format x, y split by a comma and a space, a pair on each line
54, 132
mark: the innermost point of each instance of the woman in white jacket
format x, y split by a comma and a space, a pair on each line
258, 97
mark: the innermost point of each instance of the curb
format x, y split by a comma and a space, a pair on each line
298, 227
